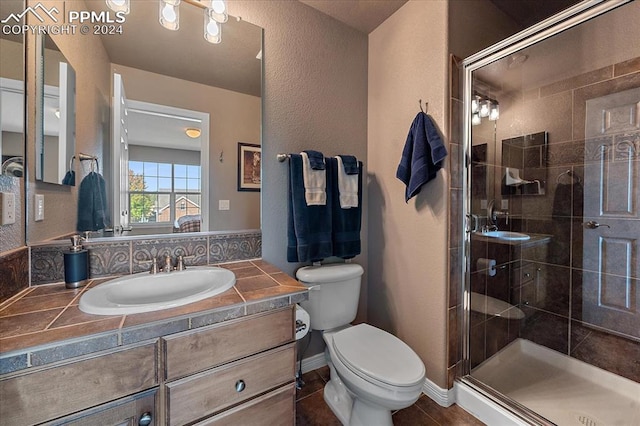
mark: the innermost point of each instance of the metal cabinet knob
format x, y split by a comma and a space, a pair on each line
592, 224
145, 419
240, 385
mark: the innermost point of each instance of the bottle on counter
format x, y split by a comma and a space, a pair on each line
76, 264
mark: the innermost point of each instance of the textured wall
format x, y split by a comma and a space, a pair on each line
315, 96
408, 61
91, 63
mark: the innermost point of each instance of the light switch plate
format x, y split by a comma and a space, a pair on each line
483, 204
223, 204
504, 205
39, 210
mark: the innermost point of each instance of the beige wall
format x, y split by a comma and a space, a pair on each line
233, 117
91, 63
408, 242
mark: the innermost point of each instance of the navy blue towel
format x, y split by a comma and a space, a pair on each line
422, 155
93, 214
309, 227
316, 159
350, 164
345, 234
69, 178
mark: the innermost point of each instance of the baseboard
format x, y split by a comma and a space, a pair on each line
313, 362
443, 397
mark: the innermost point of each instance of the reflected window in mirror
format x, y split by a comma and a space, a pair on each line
55, 114
12, 89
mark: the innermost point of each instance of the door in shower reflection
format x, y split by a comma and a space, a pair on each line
611, 220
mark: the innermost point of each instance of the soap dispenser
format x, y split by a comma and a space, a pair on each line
76, 264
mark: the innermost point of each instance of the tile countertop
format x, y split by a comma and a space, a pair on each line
43, 324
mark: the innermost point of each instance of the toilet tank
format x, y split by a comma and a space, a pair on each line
334, 293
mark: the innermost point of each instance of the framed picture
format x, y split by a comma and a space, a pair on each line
249, 159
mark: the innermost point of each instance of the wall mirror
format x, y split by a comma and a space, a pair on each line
12, 90
179, 105
55, 113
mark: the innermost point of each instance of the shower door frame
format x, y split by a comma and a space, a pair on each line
556, 24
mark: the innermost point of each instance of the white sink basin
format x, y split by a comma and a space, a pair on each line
507, 235
145, 292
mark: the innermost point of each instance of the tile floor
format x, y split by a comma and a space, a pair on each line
311, 410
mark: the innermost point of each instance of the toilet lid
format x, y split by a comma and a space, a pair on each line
375, 354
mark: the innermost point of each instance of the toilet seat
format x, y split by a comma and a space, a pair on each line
378, 357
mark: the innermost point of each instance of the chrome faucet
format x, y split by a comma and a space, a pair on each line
492, 215
154, 266
168, 267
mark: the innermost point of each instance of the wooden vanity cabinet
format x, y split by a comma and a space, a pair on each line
40, 394
227, 365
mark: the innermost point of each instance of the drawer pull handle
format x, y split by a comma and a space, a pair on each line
145, 419
240, 385
527, 275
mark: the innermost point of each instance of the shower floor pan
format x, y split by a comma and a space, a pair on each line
565, 390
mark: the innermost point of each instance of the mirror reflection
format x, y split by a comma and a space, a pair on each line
55, 144
162, 85
11, 97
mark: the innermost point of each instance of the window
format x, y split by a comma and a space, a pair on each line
163, 192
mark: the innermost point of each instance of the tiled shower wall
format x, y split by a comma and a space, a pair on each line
553, 316
119, 257
555, 320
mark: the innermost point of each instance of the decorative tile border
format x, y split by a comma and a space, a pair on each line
14, 273
120, 256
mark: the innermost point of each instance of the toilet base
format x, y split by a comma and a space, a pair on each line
349, 410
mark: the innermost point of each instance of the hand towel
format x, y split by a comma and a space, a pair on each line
422, 155
93, 213
346, 223
347, 186
69, 178
309, 226
316, 159
350, 164
315, 183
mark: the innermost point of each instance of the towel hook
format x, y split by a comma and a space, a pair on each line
426, 106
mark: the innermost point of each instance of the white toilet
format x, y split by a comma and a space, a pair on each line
372, 371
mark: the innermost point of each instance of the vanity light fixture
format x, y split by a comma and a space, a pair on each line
218, 11
118, 5
169, 14
193, 132
212, 29
484, 107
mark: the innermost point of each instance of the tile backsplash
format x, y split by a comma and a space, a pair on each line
14, 272
119, 257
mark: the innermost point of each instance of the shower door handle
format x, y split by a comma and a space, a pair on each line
592, 224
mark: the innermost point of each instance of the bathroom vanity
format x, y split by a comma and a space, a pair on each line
218, 370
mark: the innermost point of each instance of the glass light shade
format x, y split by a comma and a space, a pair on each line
169, 14
484, 109
218, 11
474, 105
118, 5
212, 29
475, 119
494, 114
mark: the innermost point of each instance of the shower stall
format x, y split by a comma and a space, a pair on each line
551, 310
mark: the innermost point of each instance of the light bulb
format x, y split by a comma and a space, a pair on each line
218, 11
212, 30
494, 114
484, 109
474, 105
475, 119
170, 14
118, 5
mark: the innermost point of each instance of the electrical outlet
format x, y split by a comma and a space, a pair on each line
223, 204
483, 204
39, 210
8, 208
504, 204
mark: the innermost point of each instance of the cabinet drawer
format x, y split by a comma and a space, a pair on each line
273, 408
55, 391
197, 350
526, 272
203, 394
